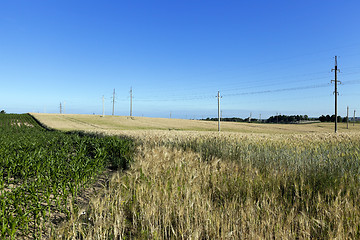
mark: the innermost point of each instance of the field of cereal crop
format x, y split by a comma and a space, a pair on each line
273, 181
118, 124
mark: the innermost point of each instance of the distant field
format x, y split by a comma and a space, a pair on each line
117, 124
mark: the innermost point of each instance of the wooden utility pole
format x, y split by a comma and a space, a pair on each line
354, 118
130, 101
103, 106
218, 97
60, 109
347, 117
335, 92
113, 103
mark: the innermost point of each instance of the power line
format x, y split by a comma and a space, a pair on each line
218, 97
354, 118
113, 110
335, 92
131, 101
103, 106
278, 90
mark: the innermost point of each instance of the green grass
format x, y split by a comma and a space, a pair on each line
43, 171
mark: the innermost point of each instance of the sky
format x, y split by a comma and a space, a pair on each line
265, 57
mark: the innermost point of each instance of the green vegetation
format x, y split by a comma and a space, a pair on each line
272, 119
42, 172
231, 186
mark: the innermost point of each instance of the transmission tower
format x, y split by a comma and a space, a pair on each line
336, 92
347, 117
113, 110
354, 118
103, 105
130, 101
218, 97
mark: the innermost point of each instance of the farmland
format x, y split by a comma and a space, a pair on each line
230, 186
118, 124
253, 181
42, 173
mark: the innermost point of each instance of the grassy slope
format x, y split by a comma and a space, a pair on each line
117, 124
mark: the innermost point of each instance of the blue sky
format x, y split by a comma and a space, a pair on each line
265, 57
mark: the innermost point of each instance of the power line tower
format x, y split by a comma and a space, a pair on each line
335, 92
347, 117
103, 105
113, 110
354, 118
218, 97
130, 101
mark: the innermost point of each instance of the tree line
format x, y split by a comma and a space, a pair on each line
272, 119
283, 119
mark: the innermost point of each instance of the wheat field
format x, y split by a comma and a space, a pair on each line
282, 182
118, 124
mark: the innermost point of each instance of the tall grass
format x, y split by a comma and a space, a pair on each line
230, 186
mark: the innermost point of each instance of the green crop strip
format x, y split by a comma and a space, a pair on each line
42, 172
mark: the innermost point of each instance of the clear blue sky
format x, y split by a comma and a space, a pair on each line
263, 56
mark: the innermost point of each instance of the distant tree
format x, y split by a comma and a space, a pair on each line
2, 112
332, 118
328, 118
322, 118
345, 119
288, 119
339, 118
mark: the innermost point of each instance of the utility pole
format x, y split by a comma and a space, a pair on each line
130, 101
103, 106
60, 109
218, 97
250, 116
113, 103
354, 118
260, 117
170, 114
335, 92
347, 117
277, 118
